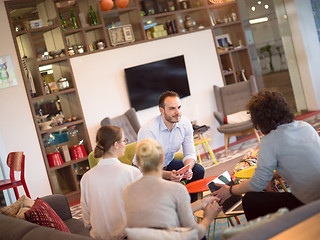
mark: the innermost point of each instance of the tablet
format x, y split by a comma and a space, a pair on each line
183, 169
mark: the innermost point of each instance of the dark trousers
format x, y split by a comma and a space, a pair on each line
258, 204
198, 173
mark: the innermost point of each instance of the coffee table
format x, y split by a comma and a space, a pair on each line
199, 187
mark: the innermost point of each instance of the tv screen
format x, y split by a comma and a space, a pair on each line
146, 82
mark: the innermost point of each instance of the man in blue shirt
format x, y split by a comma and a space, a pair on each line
172, 131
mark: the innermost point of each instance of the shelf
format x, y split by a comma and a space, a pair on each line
219, 5
69, 163
51, 61
221, 25
119, 10
65, 125
238, 49
228, 73
69, 90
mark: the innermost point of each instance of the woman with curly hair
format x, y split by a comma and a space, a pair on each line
290, 147
153, 202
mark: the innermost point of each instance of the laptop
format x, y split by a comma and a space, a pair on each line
232, 205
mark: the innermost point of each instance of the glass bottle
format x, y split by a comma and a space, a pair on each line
48, 78
62, 21
93, 16
74, 20
73, 136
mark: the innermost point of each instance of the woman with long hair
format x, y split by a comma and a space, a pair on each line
102, 186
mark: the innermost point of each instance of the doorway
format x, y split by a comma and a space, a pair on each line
271, 49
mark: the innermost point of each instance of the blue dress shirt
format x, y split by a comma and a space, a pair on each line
181, 134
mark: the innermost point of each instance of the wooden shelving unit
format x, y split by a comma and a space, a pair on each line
32, 43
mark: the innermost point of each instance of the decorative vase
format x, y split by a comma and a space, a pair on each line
106, 5
122, 3
189, 23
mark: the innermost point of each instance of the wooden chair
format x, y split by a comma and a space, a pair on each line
15, 162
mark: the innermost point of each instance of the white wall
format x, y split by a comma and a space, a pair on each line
101, 84
307, 48
17, 129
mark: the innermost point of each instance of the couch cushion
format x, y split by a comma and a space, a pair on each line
13, 228
43, 233
59, 204
77, 226
235, 127
281, 223
42, 214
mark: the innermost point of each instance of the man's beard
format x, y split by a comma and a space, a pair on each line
172, 119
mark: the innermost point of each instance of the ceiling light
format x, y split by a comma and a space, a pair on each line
258, 20
259, 2
253, 8
266, 6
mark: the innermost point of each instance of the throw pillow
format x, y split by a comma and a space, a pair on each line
13, 209
42, 214
26, 204
237, 117
162, 234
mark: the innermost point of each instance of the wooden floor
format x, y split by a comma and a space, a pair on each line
281, 81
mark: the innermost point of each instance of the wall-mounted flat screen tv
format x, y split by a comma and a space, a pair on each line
146, 82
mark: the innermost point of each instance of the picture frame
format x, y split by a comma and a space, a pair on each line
7, 73
120, 35
223, 40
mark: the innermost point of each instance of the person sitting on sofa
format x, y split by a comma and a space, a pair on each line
290, 147
102, 186
152, 202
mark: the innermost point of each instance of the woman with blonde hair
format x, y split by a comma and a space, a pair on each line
153, 202
102, 186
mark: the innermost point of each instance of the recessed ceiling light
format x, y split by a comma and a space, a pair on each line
253, 8
266, 6
259, 2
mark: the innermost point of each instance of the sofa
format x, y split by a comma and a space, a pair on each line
18, 229
280, 224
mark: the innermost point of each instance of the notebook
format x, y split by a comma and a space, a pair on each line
232, 205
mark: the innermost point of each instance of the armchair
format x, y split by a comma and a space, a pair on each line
127, 121
232, 99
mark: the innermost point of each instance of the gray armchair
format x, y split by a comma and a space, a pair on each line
127, 121
232, 99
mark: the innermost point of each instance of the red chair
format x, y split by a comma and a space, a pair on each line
15, 161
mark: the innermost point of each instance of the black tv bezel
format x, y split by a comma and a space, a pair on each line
157, 89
